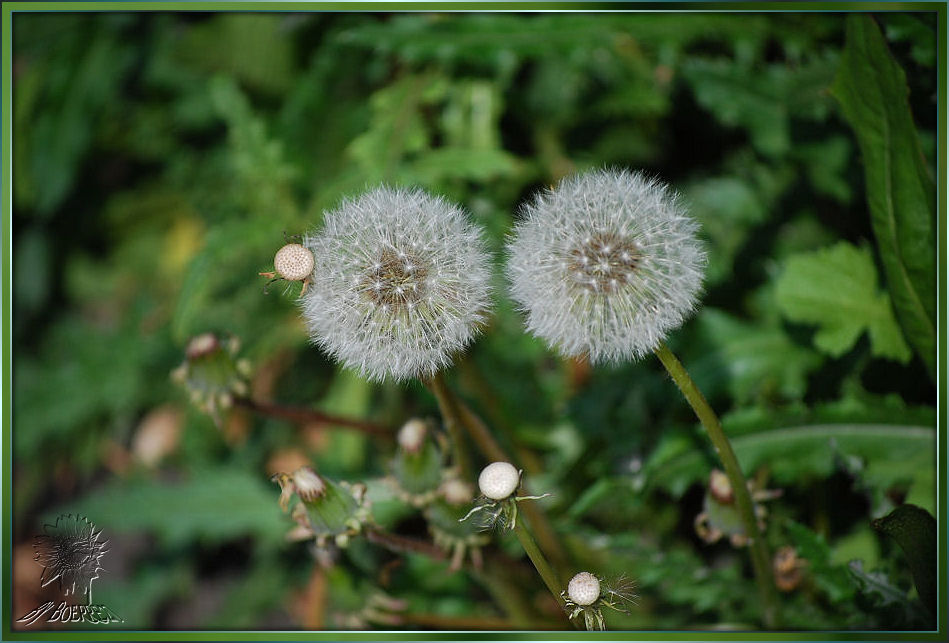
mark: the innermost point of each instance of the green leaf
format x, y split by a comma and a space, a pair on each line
881, 455
757, 360
764, 107
832, 579
216, 504
836, 288
872, 92
888, 602
914, 530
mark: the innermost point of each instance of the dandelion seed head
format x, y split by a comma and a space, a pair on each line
605, 264
401, 283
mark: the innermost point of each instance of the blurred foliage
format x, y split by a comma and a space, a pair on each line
161, 158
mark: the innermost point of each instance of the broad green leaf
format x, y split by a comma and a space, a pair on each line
873, 96
914, 529
888, 603
216, 504
836, 289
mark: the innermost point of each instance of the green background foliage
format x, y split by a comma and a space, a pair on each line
160, 158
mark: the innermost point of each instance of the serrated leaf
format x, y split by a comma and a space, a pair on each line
836, 288
871, 89
763, 107
914, 529
758, 360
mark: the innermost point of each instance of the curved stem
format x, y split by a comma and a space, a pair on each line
493, 451
305, 415
447, 405
760, 558
543, 567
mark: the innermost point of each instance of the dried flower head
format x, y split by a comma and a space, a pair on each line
212, 373
586, 596
605, 264
400, 283
584, 588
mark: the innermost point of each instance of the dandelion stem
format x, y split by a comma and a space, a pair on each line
493, 451
760, 558
543, 567
448, 406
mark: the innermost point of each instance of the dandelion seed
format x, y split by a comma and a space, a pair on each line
605, 264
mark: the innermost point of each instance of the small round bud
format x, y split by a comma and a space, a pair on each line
293, 262
412, 435
309, 485
499, 480
584, 588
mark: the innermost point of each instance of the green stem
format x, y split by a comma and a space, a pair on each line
546, 572
760, 558
493, 451
449, 409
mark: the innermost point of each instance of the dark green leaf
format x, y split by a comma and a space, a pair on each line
871, 89
914, 529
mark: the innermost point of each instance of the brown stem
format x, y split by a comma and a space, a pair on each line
448, 406
404, 544
302, 415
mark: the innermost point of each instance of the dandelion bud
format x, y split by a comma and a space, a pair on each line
211, 373
584, 588
309, 485
605, 265
499, 480
400, 283
412, 435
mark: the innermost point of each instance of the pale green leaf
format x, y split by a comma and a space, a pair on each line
836, 289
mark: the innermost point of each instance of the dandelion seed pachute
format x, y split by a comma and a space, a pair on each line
605, 264
401, 283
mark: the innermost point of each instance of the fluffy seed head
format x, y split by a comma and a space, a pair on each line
584, 588
293, 262
499, 480
400, 283
605, 265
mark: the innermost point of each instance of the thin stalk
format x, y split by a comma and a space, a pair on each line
301, 415
760, 557
493, 451
543, 567
448, 406
404, 544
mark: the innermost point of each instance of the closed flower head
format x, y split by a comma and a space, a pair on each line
400, 283
605, 265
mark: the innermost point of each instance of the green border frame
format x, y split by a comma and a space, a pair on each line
6, 219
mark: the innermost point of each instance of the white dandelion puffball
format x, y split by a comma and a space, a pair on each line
499, 480
584, 588
605, 264
401, 282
